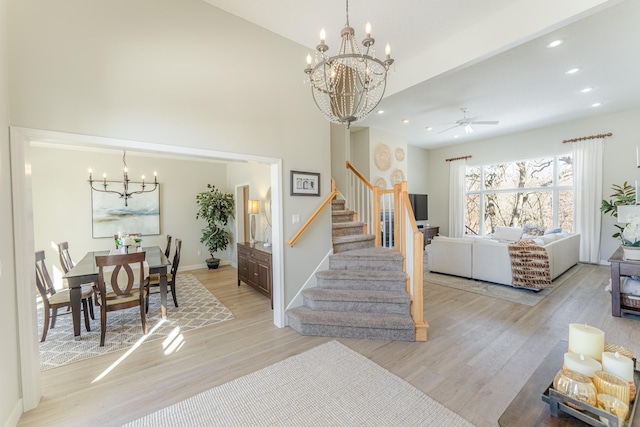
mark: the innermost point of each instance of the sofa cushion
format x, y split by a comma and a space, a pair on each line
533, 230
507, 234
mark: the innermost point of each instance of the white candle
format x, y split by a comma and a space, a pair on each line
587, 340
580, 363
617, 364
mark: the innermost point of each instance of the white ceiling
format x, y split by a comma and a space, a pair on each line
497, 66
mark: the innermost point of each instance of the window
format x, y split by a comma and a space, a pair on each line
535, 192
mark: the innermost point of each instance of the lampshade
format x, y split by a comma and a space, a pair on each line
254, 207
625, 210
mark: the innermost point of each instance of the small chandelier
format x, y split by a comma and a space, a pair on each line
346, 87
125, 194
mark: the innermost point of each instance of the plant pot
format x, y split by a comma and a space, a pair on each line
631, 253
213, 263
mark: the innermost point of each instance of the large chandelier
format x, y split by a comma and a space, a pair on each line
346, 87
125, 193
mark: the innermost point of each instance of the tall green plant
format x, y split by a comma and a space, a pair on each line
216, 208
624, 194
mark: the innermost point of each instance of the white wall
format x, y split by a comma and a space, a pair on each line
62, 200
10, 393
397, 150
619, 160
418, 170
359, 151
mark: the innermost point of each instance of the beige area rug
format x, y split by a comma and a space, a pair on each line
495, 290
197, 308
329, 385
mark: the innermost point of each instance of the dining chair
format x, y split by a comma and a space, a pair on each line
67, 264
154, 279
53, 299
167, 251
128, 286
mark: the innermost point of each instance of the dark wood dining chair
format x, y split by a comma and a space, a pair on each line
53, 299
167, 251
121, 295
67, 264
154, 279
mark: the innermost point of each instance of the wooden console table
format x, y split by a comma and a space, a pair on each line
429, 234
620, 266
254, 267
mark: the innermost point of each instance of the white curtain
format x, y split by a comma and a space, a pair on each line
457, 174
587, 168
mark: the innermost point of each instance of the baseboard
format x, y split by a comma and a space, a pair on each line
199, 266
15, 415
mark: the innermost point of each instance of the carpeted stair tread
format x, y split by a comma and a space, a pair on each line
359, 320
324, 294
348, 300
369, 254
366, 275
353, 238
348, 224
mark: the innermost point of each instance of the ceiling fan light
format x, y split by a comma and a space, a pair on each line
468, 129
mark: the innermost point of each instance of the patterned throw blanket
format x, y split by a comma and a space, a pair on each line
529, 265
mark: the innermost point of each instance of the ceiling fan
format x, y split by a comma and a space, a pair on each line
466, 122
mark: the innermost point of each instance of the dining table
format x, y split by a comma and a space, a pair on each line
85, 271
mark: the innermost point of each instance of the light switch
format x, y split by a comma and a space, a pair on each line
295, 219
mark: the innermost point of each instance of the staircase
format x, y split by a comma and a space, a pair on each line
362, 295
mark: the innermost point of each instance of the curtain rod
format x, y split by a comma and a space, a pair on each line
602, 135
457, 158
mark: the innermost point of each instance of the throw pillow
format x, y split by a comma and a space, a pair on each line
508, 234
534, 230
554, 231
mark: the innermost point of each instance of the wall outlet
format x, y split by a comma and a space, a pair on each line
295, 219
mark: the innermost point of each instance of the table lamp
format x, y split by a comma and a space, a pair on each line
254, 209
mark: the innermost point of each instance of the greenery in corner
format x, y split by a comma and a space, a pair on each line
623, 194
216, 208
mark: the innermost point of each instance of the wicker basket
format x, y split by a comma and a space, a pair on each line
631, 301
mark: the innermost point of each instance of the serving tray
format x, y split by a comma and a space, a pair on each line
589, 414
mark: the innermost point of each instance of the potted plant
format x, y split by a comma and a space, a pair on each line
630, 237
215, 207
623, 195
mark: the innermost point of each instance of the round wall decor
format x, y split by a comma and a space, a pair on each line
382, 157
397, 176
380, 183
399, 154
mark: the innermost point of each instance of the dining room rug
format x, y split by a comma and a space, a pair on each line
329, 385
198, 307
495, 290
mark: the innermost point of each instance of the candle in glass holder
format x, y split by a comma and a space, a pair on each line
580, 363
587, 340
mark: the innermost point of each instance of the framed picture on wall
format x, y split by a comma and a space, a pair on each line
305, 183
110, 216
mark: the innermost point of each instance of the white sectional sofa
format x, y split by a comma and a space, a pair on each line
487, 259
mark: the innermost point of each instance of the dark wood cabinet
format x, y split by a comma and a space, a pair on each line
429, 233
254, 267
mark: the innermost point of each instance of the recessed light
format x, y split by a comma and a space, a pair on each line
596, 104
455, 136
405, 121
429, 128
555, 43
380, 111
586, 90
572, 71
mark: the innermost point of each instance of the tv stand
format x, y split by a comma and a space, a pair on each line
429, 233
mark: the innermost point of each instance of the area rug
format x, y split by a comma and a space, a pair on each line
495, 290
198, 307
329, 385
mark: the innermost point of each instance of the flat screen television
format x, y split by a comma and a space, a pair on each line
420, 206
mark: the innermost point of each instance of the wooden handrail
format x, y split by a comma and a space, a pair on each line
406, 237
324, 204
359, 175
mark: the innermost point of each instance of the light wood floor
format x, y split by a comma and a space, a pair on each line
480, 351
